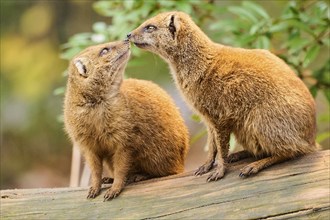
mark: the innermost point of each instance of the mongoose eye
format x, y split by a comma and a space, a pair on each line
150, 28
104, 51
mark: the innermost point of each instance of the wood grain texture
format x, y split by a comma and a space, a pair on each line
296, 189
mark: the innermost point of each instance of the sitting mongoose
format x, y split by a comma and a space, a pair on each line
131, 125
248, 92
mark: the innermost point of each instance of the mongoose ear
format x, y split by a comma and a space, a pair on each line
81, 67
174, 25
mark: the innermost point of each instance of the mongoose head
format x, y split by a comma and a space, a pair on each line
99, 67
158, 34
169, 34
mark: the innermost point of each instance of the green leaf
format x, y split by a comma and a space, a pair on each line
293, 7
198, 136
263, 42
99, 27
326, 41
59, 91
133, 16
256, 8
104, 8
242, 13
323, 74
295, 44
278, 27
81, 39
196, 118
313, 90
167, 4
70, 53
211, 8
326, 92
98, 38
257, 27
148, 9
60, 118
128, 4
227, 25
304, 17
300, 26
184, 6
246, 40
311, 55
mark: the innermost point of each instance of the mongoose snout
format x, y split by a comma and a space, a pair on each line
132, 126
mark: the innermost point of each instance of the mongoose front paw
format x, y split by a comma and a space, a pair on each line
249, 170
217, 174
204, 168
111, 194
93, 192
107, 180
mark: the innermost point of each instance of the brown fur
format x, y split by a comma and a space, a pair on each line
250, 93
131, 125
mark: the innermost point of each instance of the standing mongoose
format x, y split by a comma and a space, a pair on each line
131, 125
250, 93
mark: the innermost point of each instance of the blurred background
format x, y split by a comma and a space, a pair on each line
38, 38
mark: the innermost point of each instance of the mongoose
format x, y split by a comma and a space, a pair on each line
131, 125
248, 92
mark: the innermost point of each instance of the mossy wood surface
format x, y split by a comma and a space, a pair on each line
294, 189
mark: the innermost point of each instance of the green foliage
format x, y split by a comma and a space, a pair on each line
299, 35
126, 16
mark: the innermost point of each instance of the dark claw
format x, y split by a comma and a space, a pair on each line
218, 173
106, 199
109, 195
209, 179
248, 171
241, 175
204, 169
200, 171
93, 193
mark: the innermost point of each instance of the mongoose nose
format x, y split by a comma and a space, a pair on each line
128, 35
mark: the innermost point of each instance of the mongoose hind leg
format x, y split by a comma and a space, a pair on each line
208, 165
212, 153
259, 165
240, 155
